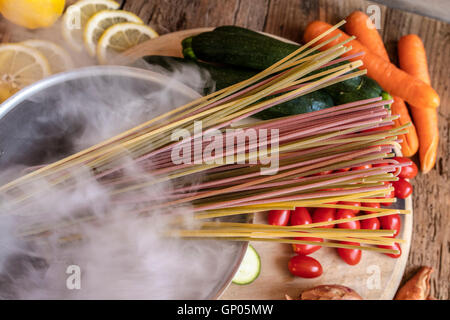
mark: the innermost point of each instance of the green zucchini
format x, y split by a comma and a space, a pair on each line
386, 96
245, 48
314, 101
235, 30
249, 269
228, 75
188, 52
366, 89
241, 50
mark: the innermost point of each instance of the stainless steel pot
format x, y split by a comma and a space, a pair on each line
29, 138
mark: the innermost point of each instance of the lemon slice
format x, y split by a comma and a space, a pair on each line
121, 37
76, 17
58, 58
101, 21
6, 91
20, 66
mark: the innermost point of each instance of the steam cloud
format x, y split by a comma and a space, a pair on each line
120, 255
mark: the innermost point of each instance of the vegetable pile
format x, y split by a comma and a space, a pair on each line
411, 83
232, 54
302, 264
314, 151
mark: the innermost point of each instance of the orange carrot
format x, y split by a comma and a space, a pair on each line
413, 59
359, 25
390, 78
410, 141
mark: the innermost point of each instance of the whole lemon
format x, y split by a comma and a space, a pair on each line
32, 14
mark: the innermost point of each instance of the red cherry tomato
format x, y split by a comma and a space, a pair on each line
305, 267
408, 172
403, 188
352, 203
395, 246
345, 214
324, 214
370, 224
300, 216
278, 217
391, 222
366, 166
371, 205
350, 256
306, 249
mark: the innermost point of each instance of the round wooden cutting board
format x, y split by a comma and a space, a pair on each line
377, 276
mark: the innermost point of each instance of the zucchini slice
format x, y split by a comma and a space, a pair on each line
249, 269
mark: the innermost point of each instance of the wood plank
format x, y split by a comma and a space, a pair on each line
438, 9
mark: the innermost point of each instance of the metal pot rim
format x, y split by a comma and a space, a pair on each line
86, 72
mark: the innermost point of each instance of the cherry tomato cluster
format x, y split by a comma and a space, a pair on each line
403, 188
302, 265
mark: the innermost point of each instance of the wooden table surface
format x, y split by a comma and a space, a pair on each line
288, 18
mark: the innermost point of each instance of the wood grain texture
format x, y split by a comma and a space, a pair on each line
288, 18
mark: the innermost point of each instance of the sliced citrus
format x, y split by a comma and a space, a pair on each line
121, 37
6, 91
101, 21
76, 17
20, 66
58, 58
